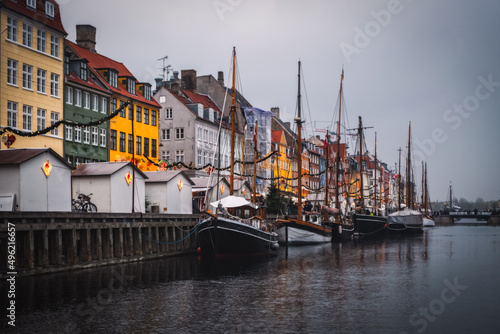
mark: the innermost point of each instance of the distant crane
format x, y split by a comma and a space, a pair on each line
165, 68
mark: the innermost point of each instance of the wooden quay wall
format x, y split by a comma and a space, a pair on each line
58, 241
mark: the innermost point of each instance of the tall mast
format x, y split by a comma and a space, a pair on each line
299, 148
399, 180
451, 197
375, 176
360, 135
255, 166
327, 156
233, 120
408, 171
337, 158
426, 199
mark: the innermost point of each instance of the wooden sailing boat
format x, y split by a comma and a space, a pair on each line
227, 234
366, 224
427, 220
308, 228
407, 220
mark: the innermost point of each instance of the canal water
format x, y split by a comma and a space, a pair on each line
446, 280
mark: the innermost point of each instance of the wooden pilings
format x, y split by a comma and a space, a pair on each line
48, 242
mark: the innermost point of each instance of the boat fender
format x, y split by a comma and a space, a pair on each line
340, 229
274, 246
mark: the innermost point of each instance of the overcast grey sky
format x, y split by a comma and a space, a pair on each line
435, 63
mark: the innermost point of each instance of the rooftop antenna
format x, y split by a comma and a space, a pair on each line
165, 68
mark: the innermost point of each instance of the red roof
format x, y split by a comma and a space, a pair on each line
276, 136
72, 77
38, 14
97, 61
205, 100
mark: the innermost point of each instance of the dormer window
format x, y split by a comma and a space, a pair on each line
83, 71
147, 92
131, 85
49, 9
31, 4
113, 78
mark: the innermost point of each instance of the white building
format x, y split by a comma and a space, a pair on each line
170, 191
111, 185
36, 179
207, 189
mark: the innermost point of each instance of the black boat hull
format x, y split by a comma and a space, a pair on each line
221, 236
369, 226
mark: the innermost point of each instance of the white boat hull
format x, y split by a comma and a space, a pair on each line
300, 236
429, 222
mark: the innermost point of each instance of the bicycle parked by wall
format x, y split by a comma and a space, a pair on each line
83, 204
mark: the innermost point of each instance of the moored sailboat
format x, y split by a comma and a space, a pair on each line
224, 233
306, 228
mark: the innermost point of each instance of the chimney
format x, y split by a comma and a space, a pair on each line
175, 88
220, 78
276, 112
188, 78
85, 36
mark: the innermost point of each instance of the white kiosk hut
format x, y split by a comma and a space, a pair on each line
34, 179
216, 190
111, 185
169, 192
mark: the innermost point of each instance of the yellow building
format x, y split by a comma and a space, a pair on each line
134, 132
282, 163
31, 67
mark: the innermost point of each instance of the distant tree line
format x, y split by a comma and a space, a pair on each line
479, 204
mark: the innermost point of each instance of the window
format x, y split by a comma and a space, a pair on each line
27, 110
83, 71
199, 157
69, 95
165, 134
146, 116
113, 105
130, 144
146, 146
179, 133
131, 86
138, 114
27, 76
31, 3
163, 99
40, 119
113, 78
78, 98
122, 141
78, 134
200, 131
112, 140
40, 41
95, 103
103, 138
153, 117
86, 135
41, 81
104, 105
27, 34
54, 118
123, 112
205, 158
168, 113
69, 133
147, 92
12, 72
54, 46
86, 100
95, 135
49, 9
153, 148
12, 29
179, 155
138, 145
54, 85
12, 114
205, 135
130, 108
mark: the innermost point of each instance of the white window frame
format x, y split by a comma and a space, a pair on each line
12, 72
41, 40
168, 113
54, 117
12, 114
86, 100
49, 9
179, 133
27, 117
103, 138
179, 155
78, 98
54, 85
31, 4
104, 105
78, 134
40, 119
95, 103
27, 77
69, 133
12, 29
41, 81
95, 136
86, 135
69, 95
27, 34
54, 46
